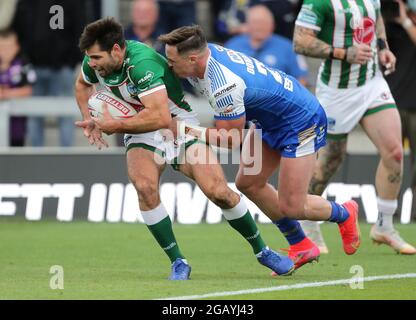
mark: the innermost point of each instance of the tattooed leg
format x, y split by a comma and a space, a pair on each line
384, 129
329, 159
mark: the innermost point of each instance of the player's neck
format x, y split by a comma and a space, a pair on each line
203, 63
121, 60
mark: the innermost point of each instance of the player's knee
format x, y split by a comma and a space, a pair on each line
246, 186
395, 155
147, 192
220, 195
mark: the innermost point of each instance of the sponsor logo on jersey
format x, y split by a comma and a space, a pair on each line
146, 79
228, 109
331, 123
132, 90
225, 90
365, 32
116, 80
385, 95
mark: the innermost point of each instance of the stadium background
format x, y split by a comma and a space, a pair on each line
91, 165
40, 188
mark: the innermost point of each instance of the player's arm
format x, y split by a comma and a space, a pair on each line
226, 134
386, 57
83, 90
309, 23
305, 42
148, 77
154, 116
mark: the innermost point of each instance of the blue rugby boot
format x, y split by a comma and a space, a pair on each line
281, 265
181, 270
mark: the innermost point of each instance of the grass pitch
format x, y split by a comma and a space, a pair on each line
123, 261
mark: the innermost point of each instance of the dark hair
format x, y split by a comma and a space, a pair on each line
106, 32
186, 39
7, 33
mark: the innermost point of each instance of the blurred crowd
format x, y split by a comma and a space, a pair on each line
38, 60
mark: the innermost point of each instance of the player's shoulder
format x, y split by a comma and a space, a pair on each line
139, 54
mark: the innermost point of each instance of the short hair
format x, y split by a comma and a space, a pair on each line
188, 38
106, 32
6, 33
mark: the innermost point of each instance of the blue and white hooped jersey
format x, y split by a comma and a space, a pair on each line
238, 85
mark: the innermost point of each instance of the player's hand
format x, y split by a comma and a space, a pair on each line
359, 54
388, 60
92, 133
172, 132
106, 123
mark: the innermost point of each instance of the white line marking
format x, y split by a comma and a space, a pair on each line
294, 286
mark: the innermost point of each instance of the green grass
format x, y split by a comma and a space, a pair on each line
122, 261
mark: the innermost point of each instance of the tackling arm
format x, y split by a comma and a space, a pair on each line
226, 134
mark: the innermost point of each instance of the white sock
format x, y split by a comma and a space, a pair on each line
237, 212
386, 210
155, 215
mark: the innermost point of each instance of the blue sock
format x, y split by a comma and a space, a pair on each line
338, 214
291, 229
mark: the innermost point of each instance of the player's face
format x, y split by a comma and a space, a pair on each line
181, 64
101, 61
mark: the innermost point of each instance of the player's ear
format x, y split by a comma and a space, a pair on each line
116, 50
193, 58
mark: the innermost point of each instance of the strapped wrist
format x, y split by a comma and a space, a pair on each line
381, 44
185, 128
338, 53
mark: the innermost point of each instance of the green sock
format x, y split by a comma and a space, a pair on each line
163, 233
246, 226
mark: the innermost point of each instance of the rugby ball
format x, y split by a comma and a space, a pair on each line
117, 107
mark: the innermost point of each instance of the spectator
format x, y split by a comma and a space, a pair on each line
284, 12
16, 79
401, 33
176, 13
7, 10
54, 54
273, 50
144, 17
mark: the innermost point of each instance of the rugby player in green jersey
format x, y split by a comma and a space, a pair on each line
350, 37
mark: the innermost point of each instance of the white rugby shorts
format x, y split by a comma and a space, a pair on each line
346, 107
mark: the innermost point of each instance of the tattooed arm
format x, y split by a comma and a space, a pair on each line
305, 42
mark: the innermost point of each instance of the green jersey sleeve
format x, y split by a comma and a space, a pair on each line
147, 76
312, 14
88, 73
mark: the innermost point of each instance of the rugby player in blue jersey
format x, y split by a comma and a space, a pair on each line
293, 127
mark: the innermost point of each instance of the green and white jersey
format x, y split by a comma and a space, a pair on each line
343, 23
144, 71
